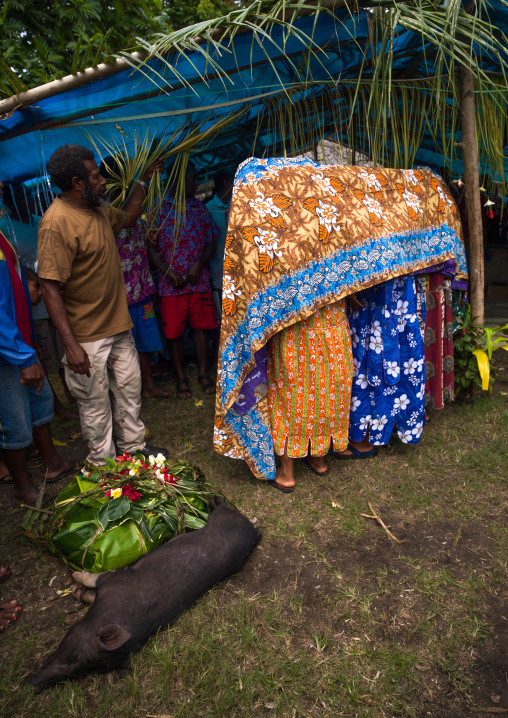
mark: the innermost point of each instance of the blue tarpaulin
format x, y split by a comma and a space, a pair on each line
118, 109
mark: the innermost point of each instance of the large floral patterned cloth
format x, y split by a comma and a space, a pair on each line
301, 236
388, 363
309, 389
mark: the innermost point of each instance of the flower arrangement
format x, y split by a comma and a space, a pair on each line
109, 516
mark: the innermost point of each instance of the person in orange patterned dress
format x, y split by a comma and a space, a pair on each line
310, 371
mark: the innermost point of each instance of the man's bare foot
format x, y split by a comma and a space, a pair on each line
154, 391
9, 612
60, 467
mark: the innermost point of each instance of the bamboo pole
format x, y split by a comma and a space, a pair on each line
70, 82
473, 200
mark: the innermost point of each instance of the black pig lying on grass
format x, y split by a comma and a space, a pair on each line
132, 603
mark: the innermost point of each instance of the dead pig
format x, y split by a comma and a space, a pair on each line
132, 603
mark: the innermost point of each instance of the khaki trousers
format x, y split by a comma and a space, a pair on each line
110, 398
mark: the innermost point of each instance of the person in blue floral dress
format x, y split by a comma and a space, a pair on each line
389, 364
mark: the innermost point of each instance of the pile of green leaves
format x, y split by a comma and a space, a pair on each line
110, 516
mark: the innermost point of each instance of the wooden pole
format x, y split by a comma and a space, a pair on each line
473, 199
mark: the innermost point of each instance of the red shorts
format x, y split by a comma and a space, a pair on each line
197, 307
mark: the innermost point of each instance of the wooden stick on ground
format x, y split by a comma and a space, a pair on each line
34, 508
380, 521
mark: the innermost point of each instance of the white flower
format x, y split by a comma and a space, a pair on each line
364, 422
328, 216
400, 403
410, 176
376, 343
263, 205
362, 381
133, 472
405, 436
417, 429
412, 201
354, 337
410, 366
355, 403
392, 368
371, 180
374, 207
159, 474
402, 307
267, 242
421, 393
228, 288
116, 493
324, 183
158, 460
379, 422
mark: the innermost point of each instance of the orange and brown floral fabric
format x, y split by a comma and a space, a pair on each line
301, 236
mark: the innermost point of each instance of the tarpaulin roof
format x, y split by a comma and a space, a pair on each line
123, 108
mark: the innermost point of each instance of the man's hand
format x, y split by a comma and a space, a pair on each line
355, 303
77, 359
148, 174
194, 272
33, 375
176, 279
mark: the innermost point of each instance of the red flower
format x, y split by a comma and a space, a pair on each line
131, 493
124, 457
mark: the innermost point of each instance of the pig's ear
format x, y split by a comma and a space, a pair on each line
112, 637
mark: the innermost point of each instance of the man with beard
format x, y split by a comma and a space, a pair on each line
83, 288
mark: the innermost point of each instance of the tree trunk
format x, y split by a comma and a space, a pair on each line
473, 199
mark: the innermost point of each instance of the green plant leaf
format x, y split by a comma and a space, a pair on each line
118, 508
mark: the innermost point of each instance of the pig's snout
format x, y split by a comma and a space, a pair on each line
82, 652
48, 676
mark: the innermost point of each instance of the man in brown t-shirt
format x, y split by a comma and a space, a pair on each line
83, 289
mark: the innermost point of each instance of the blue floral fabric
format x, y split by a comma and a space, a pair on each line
389, 363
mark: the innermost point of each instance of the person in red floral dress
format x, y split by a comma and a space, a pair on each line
184, 278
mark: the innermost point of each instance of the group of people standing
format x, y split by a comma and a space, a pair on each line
329, 374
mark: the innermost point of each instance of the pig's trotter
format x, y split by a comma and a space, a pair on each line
87, 579
83, 594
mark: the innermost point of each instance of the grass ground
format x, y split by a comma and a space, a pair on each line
330, 617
